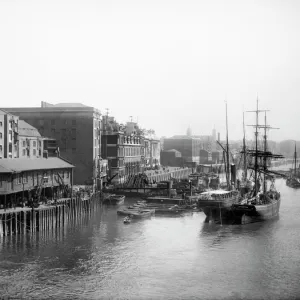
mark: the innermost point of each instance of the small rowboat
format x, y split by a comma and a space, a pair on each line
136, 213
115, 199
127, 220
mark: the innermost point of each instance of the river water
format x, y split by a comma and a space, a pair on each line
166, 257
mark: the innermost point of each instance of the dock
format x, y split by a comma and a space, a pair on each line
22, 220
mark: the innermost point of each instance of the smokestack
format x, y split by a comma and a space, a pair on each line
218, 136
233, 173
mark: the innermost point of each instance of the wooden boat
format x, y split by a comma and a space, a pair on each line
114, 199
261, 203
127, 220
136, 213
217, 204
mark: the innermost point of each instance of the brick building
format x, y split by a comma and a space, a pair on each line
18, 139
77, 129
8, 135
171, 158
188, 146
123, 149
30, 142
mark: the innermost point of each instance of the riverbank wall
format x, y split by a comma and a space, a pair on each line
45, 218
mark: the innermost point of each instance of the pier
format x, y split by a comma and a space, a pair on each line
46, 218
178, 173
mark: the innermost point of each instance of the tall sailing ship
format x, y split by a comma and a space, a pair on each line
216, 204
263, 201
293, 179
244, 184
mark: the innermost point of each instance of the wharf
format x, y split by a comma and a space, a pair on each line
46, 217
153, 178
165, 175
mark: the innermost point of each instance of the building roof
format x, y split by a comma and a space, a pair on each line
26, 129
186, 137
17, 165
70, 105
172, 150
50, 109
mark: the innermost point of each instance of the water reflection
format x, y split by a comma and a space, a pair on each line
178, 257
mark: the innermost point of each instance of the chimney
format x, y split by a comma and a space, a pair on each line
218, 136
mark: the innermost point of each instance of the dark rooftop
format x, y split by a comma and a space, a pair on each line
26, 129
26, 164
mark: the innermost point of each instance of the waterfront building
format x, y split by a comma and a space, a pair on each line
123, 147
50, 147
162, 142
30, 142
171, 158
188, 146
77, 129
8, 135
18, 139
21, 178
152, 150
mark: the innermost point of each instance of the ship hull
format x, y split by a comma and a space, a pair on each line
293, 183
244, 214
218, 210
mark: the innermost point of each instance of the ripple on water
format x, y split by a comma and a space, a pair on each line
158, 258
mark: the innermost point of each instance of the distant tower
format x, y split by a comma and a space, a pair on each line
189, 131
214, 134
213, 140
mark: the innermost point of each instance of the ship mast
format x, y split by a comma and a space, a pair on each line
265, 150
256, 158
295, 160
227, 151
262, 154
244, 148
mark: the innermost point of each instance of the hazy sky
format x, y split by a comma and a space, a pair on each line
170, 64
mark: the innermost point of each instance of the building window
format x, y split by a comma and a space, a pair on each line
1, 179
40, 144
73, 122
10, 148
52, 122
73, 134
52, 131
34, 152
23, 152
34, 143
0, 135
1, 124
24, 144
68, 174
25, 178
1, 149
